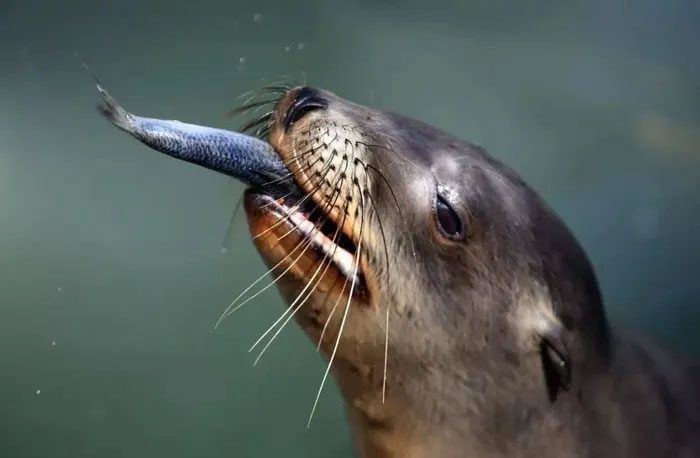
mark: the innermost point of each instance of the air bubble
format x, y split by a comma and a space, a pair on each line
301, 46
257, 17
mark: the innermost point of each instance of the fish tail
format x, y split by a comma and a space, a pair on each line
114, 112
109, 107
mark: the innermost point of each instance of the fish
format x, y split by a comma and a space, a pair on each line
248, 159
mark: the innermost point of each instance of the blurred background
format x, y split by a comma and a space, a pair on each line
116, 261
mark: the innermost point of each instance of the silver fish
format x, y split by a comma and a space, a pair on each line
246, 158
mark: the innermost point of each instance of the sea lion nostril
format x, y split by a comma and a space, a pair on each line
307, 100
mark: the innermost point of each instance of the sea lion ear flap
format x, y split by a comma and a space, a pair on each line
556, 362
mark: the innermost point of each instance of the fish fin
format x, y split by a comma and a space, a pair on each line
109, 107
114, 112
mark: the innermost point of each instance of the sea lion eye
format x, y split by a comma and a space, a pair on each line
307, 100
448, 221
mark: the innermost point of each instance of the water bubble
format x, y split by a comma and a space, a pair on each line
258, 17
301, 46
241, 64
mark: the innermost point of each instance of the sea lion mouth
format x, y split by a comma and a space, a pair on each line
302, 238
310, 221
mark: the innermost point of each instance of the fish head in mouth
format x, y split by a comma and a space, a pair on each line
398, 235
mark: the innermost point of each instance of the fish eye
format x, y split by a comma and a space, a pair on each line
447, 219
307, 100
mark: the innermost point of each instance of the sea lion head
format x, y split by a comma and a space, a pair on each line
423, 265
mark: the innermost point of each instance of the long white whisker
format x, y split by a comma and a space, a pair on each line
386, 354
233, 307
340, 332
308, 284
328, 320
295, 207
345, 313
230, 309
298, 296
291, 315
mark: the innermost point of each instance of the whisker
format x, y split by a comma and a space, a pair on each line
232, 307
327, 167
256, 122
345, 213
330, 315
277, 88
340, 295
386, 354
342, 323
306, 243
291, 315
296, 206
386, 257
396, 201
316, 229
247, 106
291, 175
245, 94
345, 282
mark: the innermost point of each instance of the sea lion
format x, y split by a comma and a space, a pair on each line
459, 315
497, 342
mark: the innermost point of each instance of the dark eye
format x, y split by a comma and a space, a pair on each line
307, 100
448, 220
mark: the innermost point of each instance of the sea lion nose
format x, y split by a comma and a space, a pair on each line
307, 100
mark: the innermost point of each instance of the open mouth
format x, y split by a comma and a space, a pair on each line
313, 238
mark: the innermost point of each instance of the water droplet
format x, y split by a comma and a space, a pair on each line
301, 46
38, 391
257, 17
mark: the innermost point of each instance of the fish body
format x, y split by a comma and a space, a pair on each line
249, 159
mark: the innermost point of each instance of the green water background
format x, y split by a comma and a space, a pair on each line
112, 271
